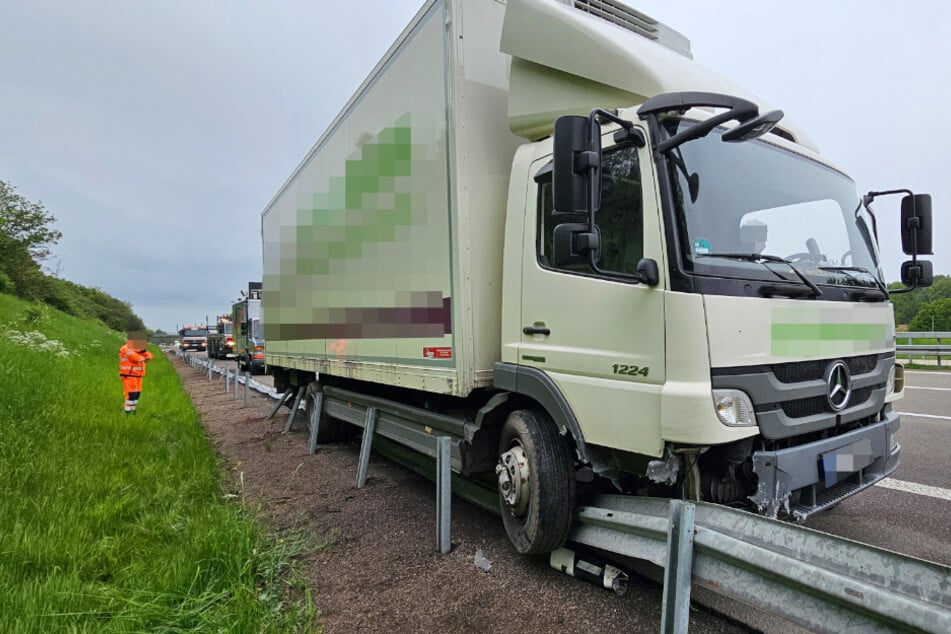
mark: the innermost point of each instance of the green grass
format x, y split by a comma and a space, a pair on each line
110, 523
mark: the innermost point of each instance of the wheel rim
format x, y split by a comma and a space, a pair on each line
514, 479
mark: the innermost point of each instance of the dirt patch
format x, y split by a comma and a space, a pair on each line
382, 572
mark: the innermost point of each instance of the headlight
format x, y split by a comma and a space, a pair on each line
898, 374
734, 408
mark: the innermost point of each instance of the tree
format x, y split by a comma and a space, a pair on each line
25, 240
933, 316
27, 224
907, 305
26, 237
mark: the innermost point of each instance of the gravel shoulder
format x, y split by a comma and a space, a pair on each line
381, 571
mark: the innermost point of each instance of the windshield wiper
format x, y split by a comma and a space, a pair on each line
763, 258
858, 269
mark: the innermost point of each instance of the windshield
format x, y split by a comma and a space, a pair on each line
193, 333
755, 198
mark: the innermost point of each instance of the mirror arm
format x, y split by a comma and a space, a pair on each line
899, 291
870, 197
865, 202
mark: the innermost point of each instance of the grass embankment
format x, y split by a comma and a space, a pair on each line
112, 523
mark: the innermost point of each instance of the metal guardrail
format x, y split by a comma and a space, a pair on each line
911, 349
822, 582
441, 449
819, 581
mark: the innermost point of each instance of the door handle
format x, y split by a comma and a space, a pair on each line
532, 330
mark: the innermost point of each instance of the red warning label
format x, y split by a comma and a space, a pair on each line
437, 353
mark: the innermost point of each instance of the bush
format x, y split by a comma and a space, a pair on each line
36, 313
933, 316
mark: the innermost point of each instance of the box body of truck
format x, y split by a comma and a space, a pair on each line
383, 252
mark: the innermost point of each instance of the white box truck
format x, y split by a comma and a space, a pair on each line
541, 229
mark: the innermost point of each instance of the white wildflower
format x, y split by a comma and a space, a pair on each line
36, 340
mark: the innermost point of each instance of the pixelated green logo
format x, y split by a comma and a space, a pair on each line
369, 189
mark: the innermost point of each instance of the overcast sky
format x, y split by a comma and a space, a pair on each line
157, 131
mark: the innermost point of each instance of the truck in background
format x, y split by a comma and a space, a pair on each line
596, 266
249, 331
193, 338
221, 340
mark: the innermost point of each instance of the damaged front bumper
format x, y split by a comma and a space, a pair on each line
807, 479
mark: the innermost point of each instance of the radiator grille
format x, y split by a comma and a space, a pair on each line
814, 370
801, 407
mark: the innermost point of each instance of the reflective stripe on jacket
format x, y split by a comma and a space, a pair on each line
131, 363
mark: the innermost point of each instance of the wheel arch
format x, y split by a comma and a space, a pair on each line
532, 385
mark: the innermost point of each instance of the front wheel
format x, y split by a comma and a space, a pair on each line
536, 482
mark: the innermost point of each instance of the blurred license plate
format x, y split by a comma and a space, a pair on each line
844, 461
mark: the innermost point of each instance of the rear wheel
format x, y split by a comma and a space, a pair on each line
536, 482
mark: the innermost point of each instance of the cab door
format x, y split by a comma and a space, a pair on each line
600, 338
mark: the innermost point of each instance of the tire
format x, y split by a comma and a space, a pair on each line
538, 517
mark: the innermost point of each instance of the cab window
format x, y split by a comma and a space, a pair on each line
620, 218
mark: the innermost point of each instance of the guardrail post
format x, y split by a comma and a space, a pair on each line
314, 423
368, 428
290, 417
237, 375
443, 494
247, 386
939, 353
227, 380
211, 367
678, 573
280, 402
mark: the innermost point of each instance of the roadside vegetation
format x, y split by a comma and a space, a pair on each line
926, 309
27, 237
115, 523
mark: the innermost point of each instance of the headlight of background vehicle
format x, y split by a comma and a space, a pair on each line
734, 408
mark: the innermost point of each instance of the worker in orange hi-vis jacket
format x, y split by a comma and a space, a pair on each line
132, 359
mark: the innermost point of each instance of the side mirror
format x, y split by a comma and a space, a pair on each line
572, 244
916, 225
576, 164
647, 271
918, 274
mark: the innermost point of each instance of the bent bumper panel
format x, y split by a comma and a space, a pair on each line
810, 478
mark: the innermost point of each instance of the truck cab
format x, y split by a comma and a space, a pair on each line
691, 267
193, 339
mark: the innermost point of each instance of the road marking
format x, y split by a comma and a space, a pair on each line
913, 487
925, 415
937, 389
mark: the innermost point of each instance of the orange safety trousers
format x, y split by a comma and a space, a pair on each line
132, 386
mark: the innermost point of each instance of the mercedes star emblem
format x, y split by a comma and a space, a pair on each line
839, 384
